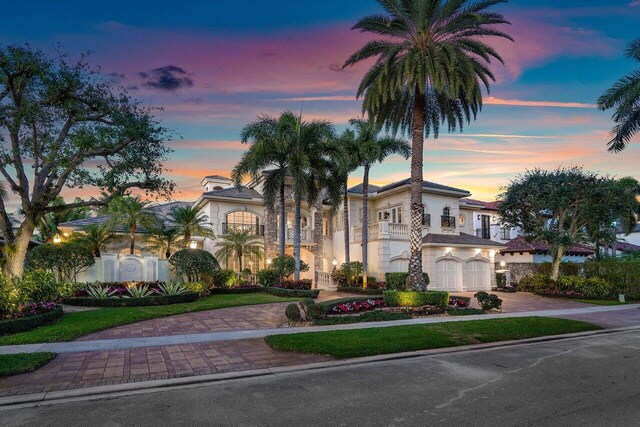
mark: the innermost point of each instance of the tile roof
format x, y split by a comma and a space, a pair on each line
519, 244
462, 239
241, 192
218, 177
425, 184
162, 211
627, 247
473, 202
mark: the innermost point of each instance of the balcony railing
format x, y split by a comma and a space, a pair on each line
484, 233
256, 229
381, 230
448, 221
306, 235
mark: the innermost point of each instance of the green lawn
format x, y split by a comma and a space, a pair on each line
603, 301
14, 364
398, 339
74, 325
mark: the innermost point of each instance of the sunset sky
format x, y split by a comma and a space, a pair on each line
214, 65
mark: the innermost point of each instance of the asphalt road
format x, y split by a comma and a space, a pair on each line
584, 382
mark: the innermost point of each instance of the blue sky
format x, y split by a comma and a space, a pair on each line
231, 60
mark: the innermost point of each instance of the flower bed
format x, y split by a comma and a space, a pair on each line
557, 293
132, 302
438, 299
119, 289
293, 293
461, 302
360, 290
357, 306
44, 313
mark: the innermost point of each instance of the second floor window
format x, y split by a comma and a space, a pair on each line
393, 215
242, 220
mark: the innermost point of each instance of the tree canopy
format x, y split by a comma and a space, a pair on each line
63, 126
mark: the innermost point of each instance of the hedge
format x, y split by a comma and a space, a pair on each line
398, 281
238, 290
293, 293
133, 302
416, 299
24, 324
623, 275
357, 290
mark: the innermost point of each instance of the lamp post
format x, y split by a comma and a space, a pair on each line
335, 263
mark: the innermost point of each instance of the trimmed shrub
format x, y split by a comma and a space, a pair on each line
592, 287
268, 277
398, 281
488, 302
24, 324
623, 274
292, 293
199, 288
293, 313
132, 302
245, 289
464, 311
304, 304
315, 312
371, 281
347, 274
223, 278
38, 286
285, 266
65, 260
534, 283
303, 284
194, 264
438, 299
364, 291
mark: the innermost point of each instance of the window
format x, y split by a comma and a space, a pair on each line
448, 221
426, 218
393, 215
446, 212
304, 221
242, 220
461, 220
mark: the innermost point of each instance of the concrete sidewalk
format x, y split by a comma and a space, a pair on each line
128, 343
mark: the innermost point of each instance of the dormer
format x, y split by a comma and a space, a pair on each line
215, 183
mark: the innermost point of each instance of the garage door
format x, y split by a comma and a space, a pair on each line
477, 276
447, 275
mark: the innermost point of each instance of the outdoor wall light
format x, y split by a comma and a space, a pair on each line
448, 251
268, 261
334, 262
503, 264
492, 253
57, 239
478, 251
193, 244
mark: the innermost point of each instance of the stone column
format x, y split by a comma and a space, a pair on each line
270, 233
318, 239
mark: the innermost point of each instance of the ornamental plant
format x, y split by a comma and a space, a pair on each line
194, 264
65, 260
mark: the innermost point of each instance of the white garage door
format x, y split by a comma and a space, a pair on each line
447, 275
476, 276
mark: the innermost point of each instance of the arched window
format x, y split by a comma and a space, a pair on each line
217, 188
242, 220
446, 212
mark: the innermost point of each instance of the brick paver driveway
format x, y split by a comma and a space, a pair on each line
525, 301
97, 368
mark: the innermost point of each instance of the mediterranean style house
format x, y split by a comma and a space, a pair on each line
456, 255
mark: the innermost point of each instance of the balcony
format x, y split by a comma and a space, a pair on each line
448, 221
381, 230
483, 233
306, 235
257, 230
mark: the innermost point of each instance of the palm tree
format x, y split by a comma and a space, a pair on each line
372, 149
164, 239
130, 213
238, 244
309, 147
270, 139
94, 237
189, 222
48, 224
347, 162
431, 63
624, 96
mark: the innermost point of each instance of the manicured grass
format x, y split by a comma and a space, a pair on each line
14, 364
74, 325
603, 301
398, 339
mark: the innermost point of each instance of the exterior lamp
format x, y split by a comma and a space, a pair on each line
193, 244
334, 262
448, 251
57, 239
503, 264
478, 252
268, 261
492, 253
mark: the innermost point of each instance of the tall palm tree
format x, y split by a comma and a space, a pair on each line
238, 244
48, 224
270, 139
372, 149
189, 222
347, 162
308, 152
94, 237
431, 63
164, 239
624, 96
130, 213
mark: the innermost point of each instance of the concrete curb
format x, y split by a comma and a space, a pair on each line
122, 343
127, 389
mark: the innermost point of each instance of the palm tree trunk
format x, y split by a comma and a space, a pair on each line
365, 225
296, 236
132, 236
283, 222
345, 211
415, 280
240, 261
